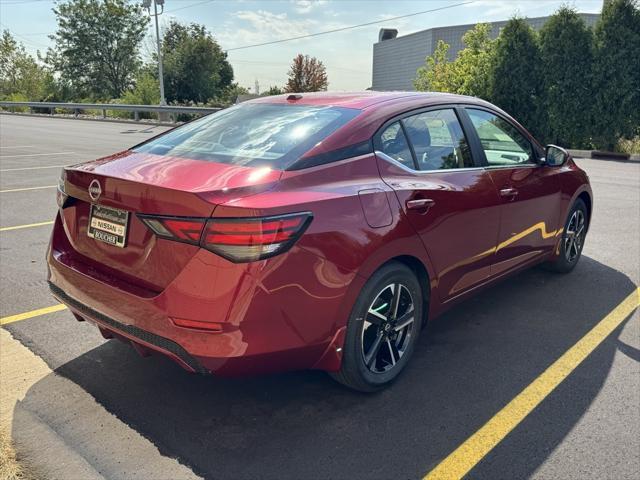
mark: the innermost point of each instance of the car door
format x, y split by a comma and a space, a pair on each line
450, 200
529, 192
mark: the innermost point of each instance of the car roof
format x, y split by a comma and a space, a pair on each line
364, 100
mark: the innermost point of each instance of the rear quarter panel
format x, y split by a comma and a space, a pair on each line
339, 232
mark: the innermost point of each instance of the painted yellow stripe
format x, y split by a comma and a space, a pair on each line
31, 314
18, 227
28, 188
474, 449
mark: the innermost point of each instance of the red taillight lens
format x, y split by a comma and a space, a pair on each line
236, 239
181, 229
251, 239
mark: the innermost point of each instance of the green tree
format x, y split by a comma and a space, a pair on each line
468, 74
20, 74
566, 48
307, 74
230, 94
195, 67
273, 90
473, 65
516, 76
97, 45
145, 92
617, 73
438, 74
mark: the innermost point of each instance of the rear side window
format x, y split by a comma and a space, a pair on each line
394, 143
438, 140
272, 135
502, 143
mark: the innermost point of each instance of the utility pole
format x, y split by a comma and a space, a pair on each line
147, 4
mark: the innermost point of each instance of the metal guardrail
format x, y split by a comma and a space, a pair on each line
170, 111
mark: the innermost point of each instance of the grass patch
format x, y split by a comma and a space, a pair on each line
631, 145
11, 468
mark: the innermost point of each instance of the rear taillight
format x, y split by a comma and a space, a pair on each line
236, 239
250, 239
180, 229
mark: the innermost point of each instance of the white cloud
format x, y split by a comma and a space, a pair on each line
261, 26
305, 6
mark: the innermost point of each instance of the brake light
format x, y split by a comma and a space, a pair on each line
236, 239
251, 239
180, 229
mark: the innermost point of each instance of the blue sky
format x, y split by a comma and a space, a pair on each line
347, 55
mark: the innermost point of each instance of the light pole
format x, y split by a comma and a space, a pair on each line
147, 4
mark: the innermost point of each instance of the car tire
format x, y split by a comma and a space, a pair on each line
380, 340
573, 237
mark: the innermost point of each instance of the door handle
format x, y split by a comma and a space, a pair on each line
420, 204
508, 192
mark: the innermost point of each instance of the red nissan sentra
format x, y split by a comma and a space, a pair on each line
313, 231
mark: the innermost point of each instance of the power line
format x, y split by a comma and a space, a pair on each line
342, 29
189, 6
23, 39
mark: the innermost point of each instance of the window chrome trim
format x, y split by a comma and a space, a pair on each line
523, 165
393, 161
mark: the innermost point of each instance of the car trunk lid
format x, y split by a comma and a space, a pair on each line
142, 183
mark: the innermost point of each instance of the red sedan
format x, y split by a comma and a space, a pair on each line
314, 231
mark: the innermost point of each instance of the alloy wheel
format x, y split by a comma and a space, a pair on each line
387, 328
574, 236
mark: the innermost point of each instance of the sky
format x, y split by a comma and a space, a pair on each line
346, 54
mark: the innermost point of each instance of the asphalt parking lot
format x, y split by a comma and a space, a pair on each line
469, 364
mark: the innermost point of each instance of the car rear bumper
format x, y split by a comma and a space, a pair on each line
267, 322
109, 327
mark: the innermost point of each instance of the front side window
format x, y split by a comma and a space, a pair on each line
258, 134
502, 143
394, 143
438, 140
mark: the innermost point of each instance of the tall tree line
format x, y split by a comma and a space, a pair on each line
568, 84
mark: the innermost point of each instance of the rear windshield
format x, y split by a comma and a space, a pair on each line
248, 134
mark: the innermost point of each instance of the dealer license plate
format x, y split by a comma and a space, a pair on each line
109, 225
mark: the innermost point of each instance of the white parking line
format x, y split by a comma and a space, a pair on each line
27, 188
31, 168
35, 155
2, 147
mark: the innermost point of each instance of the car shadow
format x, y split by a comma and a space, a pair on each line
468, 365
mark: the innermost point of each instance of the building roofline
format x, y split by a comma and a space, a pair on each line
470, 25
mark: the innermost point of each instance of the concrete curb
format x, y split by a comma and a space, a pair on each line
60, 430
599, 155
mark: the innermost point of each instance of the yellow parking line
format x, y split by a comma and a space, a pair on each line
18, 227
27, 188
31, 314
474, 449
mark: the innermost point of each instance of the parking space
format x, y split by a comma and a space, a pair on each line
469, 365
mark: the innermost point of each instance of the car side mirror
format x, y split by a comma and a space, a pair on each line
555, 156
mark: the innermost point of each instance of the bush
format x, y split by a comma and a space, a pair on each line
146, 92
18, 97
630, 145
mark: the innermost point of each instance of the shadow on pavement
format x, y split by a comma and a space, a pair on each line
469, 364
